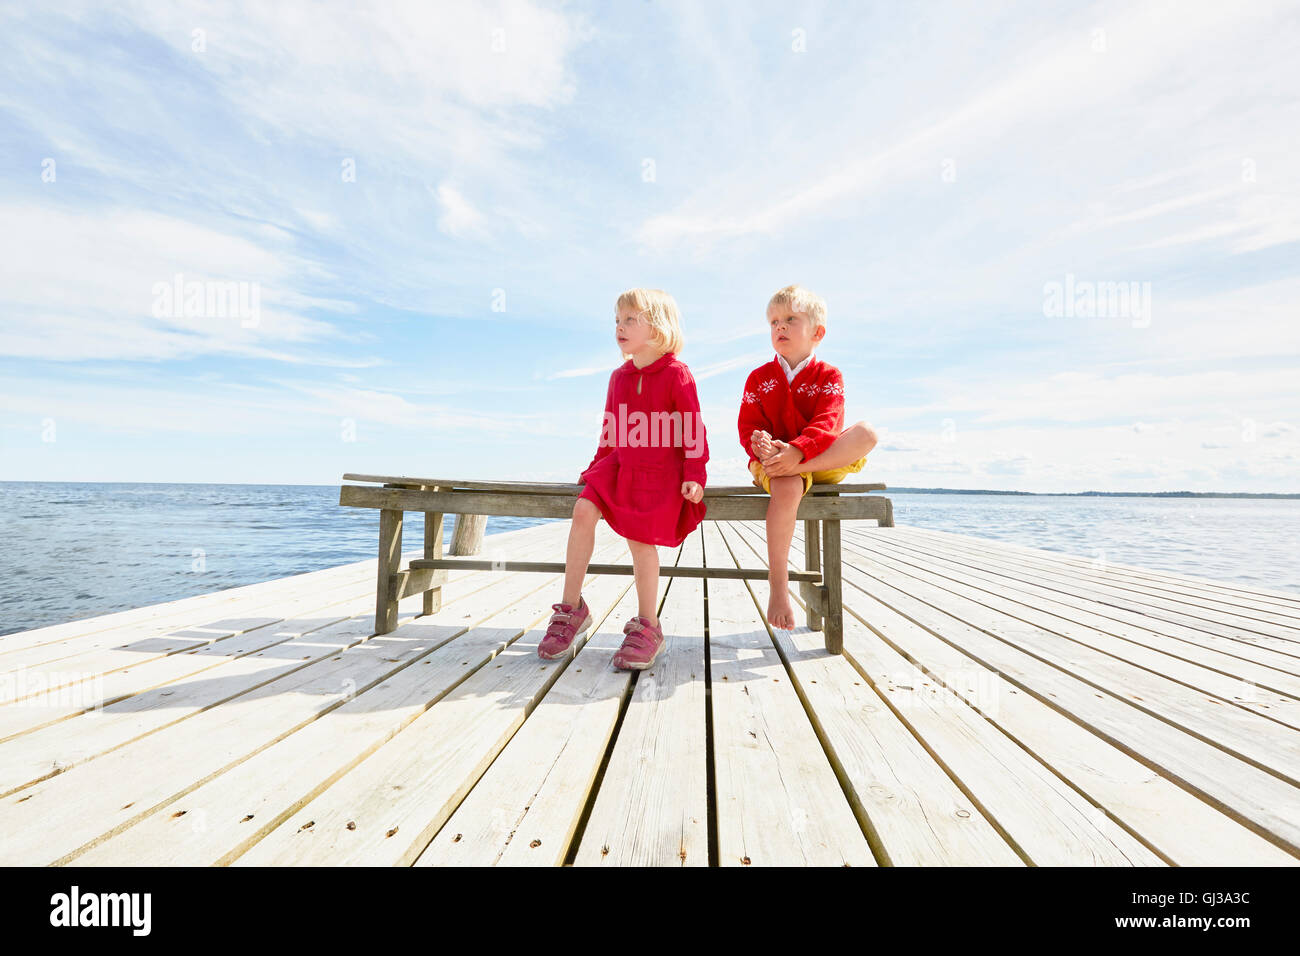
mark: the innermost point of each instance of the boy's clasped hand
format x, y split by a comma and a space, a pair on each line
779, 458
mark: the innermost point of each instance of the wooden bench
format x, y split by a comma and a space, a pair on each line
821, 511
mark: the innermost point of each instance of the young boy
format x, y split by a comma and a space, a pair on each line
791, 416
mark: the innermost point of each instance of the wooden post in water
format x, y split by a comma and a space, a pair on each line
467, 537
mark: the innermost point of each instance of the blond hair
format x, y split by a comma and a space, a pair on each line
803, 300
660, 310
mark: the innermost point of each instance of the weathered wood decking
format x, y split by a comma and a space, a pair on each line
994, 705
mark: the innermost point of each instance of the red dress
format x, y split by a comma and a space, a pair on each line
651, 441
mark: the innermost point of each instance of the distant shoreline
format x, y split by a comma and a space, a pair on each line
1096, 494
893, 489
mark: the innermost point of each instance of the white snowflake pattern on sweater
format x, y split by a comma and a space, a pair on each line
766, 385
751, 397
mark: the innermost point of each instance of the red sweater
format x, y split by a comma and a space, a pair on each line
807, 412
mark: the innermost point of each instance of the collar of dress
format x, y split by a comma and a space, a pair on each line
630, 367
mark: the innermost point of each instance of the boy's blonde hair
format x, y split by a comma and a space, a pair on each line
660, 310
804, 300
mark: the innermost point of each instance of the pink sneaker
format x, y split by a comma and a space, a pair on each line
565, 624
642, 645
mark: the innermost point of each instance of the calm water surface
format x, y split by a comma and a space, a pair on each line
74, 550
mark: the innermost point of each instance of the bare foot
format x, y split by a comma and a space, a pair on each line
779, 612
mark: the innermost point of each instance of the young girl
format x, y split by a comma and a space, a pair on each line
647, 479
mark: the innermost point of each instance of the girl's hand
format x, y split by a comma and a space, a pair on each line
783, 461
692, 491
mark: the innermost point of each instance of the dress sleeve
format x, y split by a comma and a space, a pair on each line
828, 418
751, 416
603, 449
695, 451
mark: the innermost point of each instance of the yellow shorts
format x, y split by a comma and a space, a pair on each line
832, 477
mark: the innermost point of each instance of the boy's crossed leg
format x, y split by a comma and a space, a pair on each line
854, 442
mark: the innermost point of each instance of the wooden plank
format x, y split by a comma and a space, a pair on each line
1254, 797
1028, 810
157, 618
386, 809
560, 488
241, 806
1260, 740
202, 608
190, 633
778, 800
90, 664
83, 659
1140, 585
912, 813
162, 673
1172, 820
1119, 618
1205, 667
390, 562
556, 506
433, 549
1192, 610
65, 813
813, 560
526, 809
652, 805
832, 570
1286, 600
98, 690
554, 566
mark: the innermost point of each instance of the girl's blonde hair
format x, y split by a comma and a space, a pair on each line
660, 310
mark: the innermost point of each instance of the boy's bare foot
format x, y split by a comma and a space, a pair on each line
779, 612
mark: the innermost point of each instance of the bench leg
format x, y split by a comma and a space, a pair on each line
812, 561
889, 515
390, 557
834, 595
433, 549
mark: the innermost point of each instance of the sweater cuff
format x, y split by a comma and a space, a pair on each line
805, 445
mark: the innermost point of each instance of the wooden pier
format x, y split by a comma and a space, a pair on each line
994, 705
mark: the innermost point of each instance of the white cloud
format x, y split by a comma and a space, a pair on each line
459, 216
84, 285
1056, 89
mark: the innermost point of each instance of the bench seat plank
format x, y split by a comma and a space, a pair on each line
561, 488
521, 505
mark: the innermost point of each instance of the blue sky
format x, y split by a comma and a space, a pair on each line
447, 310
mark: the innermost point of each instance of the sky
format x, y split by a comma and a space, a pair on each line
1058, 243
